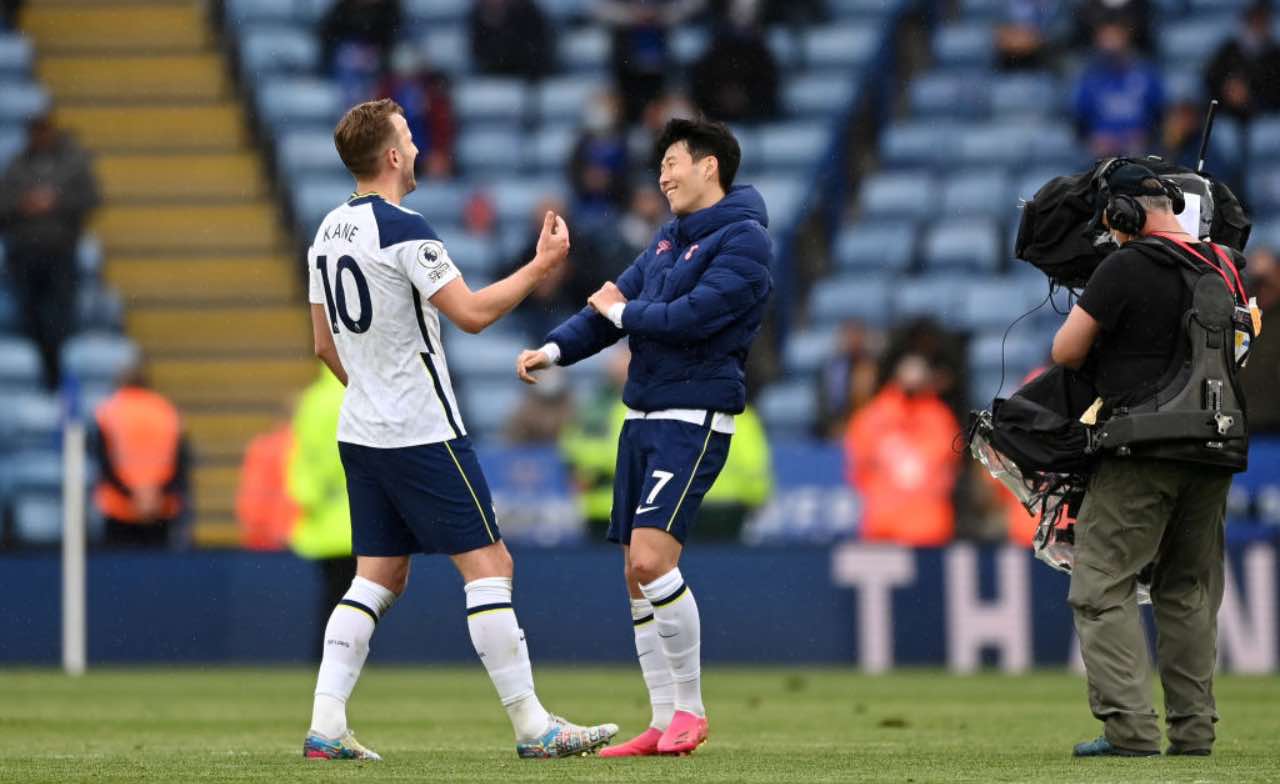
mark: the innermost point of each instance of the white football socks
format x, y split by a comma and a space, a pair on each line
680, 635
653, 664
346, 646
499, 641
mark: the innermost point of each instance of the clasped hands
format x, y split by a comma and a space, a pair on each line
606, 297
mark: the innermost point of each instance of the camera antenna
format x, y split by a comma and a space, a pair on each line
1204, 139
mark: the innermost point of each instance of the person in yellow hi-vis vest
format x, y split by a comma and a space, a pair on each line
318, 485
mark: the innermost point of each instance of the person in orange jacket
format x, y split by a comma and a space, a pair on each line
264, 509
901, 460
143, 463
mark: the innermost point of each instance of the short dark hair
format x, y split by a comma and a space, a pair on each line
363, 133
703, 138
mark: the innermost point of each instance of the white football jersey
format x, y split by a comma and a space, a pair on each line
374, 266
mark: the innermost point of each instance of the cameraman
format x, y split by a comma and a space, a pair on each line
1162, 502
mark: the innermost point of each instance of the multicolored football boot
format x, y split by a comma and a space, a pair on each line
685, 733
344, 748
563, 739
643, 745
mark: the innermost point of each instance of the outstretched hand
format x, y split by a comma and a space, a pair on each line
553, 242
529, 361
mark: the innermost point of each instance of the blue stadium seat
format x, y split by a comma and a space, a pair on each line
863, 298
314, 197
979, 192
785, 198
15, 54
30, 419
1194, 39
843, 9
447, 49
820, 93
9, 316
807, 350
489, 99
1264, 188
20, 101
98, 357
1021, 353
1183, 83
438, 201
949, 94
908, 194
963, 44
1266, 232
491, 150
486, 407
99, 307
1029, 94
1004, 144
687, 43
919, 143
994, 303
551, 146
789, 407
883, 245
968, 243
31, 471
1264, 139
565, 9
307, 153
975, 10
840, 45
473, 255
936, 296
427, 12
89, 255
20, 366
37, 519
515, 199
485, 354
288, 102
245, 12
794, 145
586, 49
561, 99
12, 140
1055, 144
267, 50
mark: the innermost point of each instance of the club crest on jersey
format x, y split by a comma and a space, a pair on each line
689, 255
663, 247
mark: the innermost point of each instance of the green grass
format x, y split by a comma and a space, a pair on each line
767, 725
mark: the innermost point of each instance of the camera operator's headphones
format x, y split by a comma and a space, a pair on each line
1121, 182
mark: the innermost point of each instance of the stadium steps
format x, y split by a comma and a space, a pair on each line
189, 228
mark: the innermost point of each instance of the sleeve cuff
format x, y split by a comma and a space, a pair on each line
615, 314
552, 350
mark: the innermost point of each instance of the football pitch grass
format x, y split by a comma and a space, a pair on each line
444, 724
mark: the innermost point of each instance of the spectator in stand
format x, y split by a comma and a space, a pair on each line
545, 411
643, 137
645, 214
590, 443
847, 380
318, 485
511, 38
356, 37
1261, 377
640, 53
46, 197
901, 459
144, 464
1183, 128
1245, 71
1025, 39
264, 509
1119, 100
428, 109
596, 256
598, 166
1133, 15
736, 79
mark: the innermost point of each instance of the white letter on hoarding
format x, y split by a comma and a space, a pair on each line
1247, 629
972, 623
874, 571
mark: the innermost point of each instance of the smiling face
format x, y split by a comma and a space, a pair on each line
405, 152
689, 185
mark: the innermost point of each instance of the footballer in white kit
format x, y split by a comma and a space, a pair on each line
379, 279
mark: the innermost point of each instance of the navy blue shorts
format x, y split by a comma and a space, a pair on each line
665, 467
431, 498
